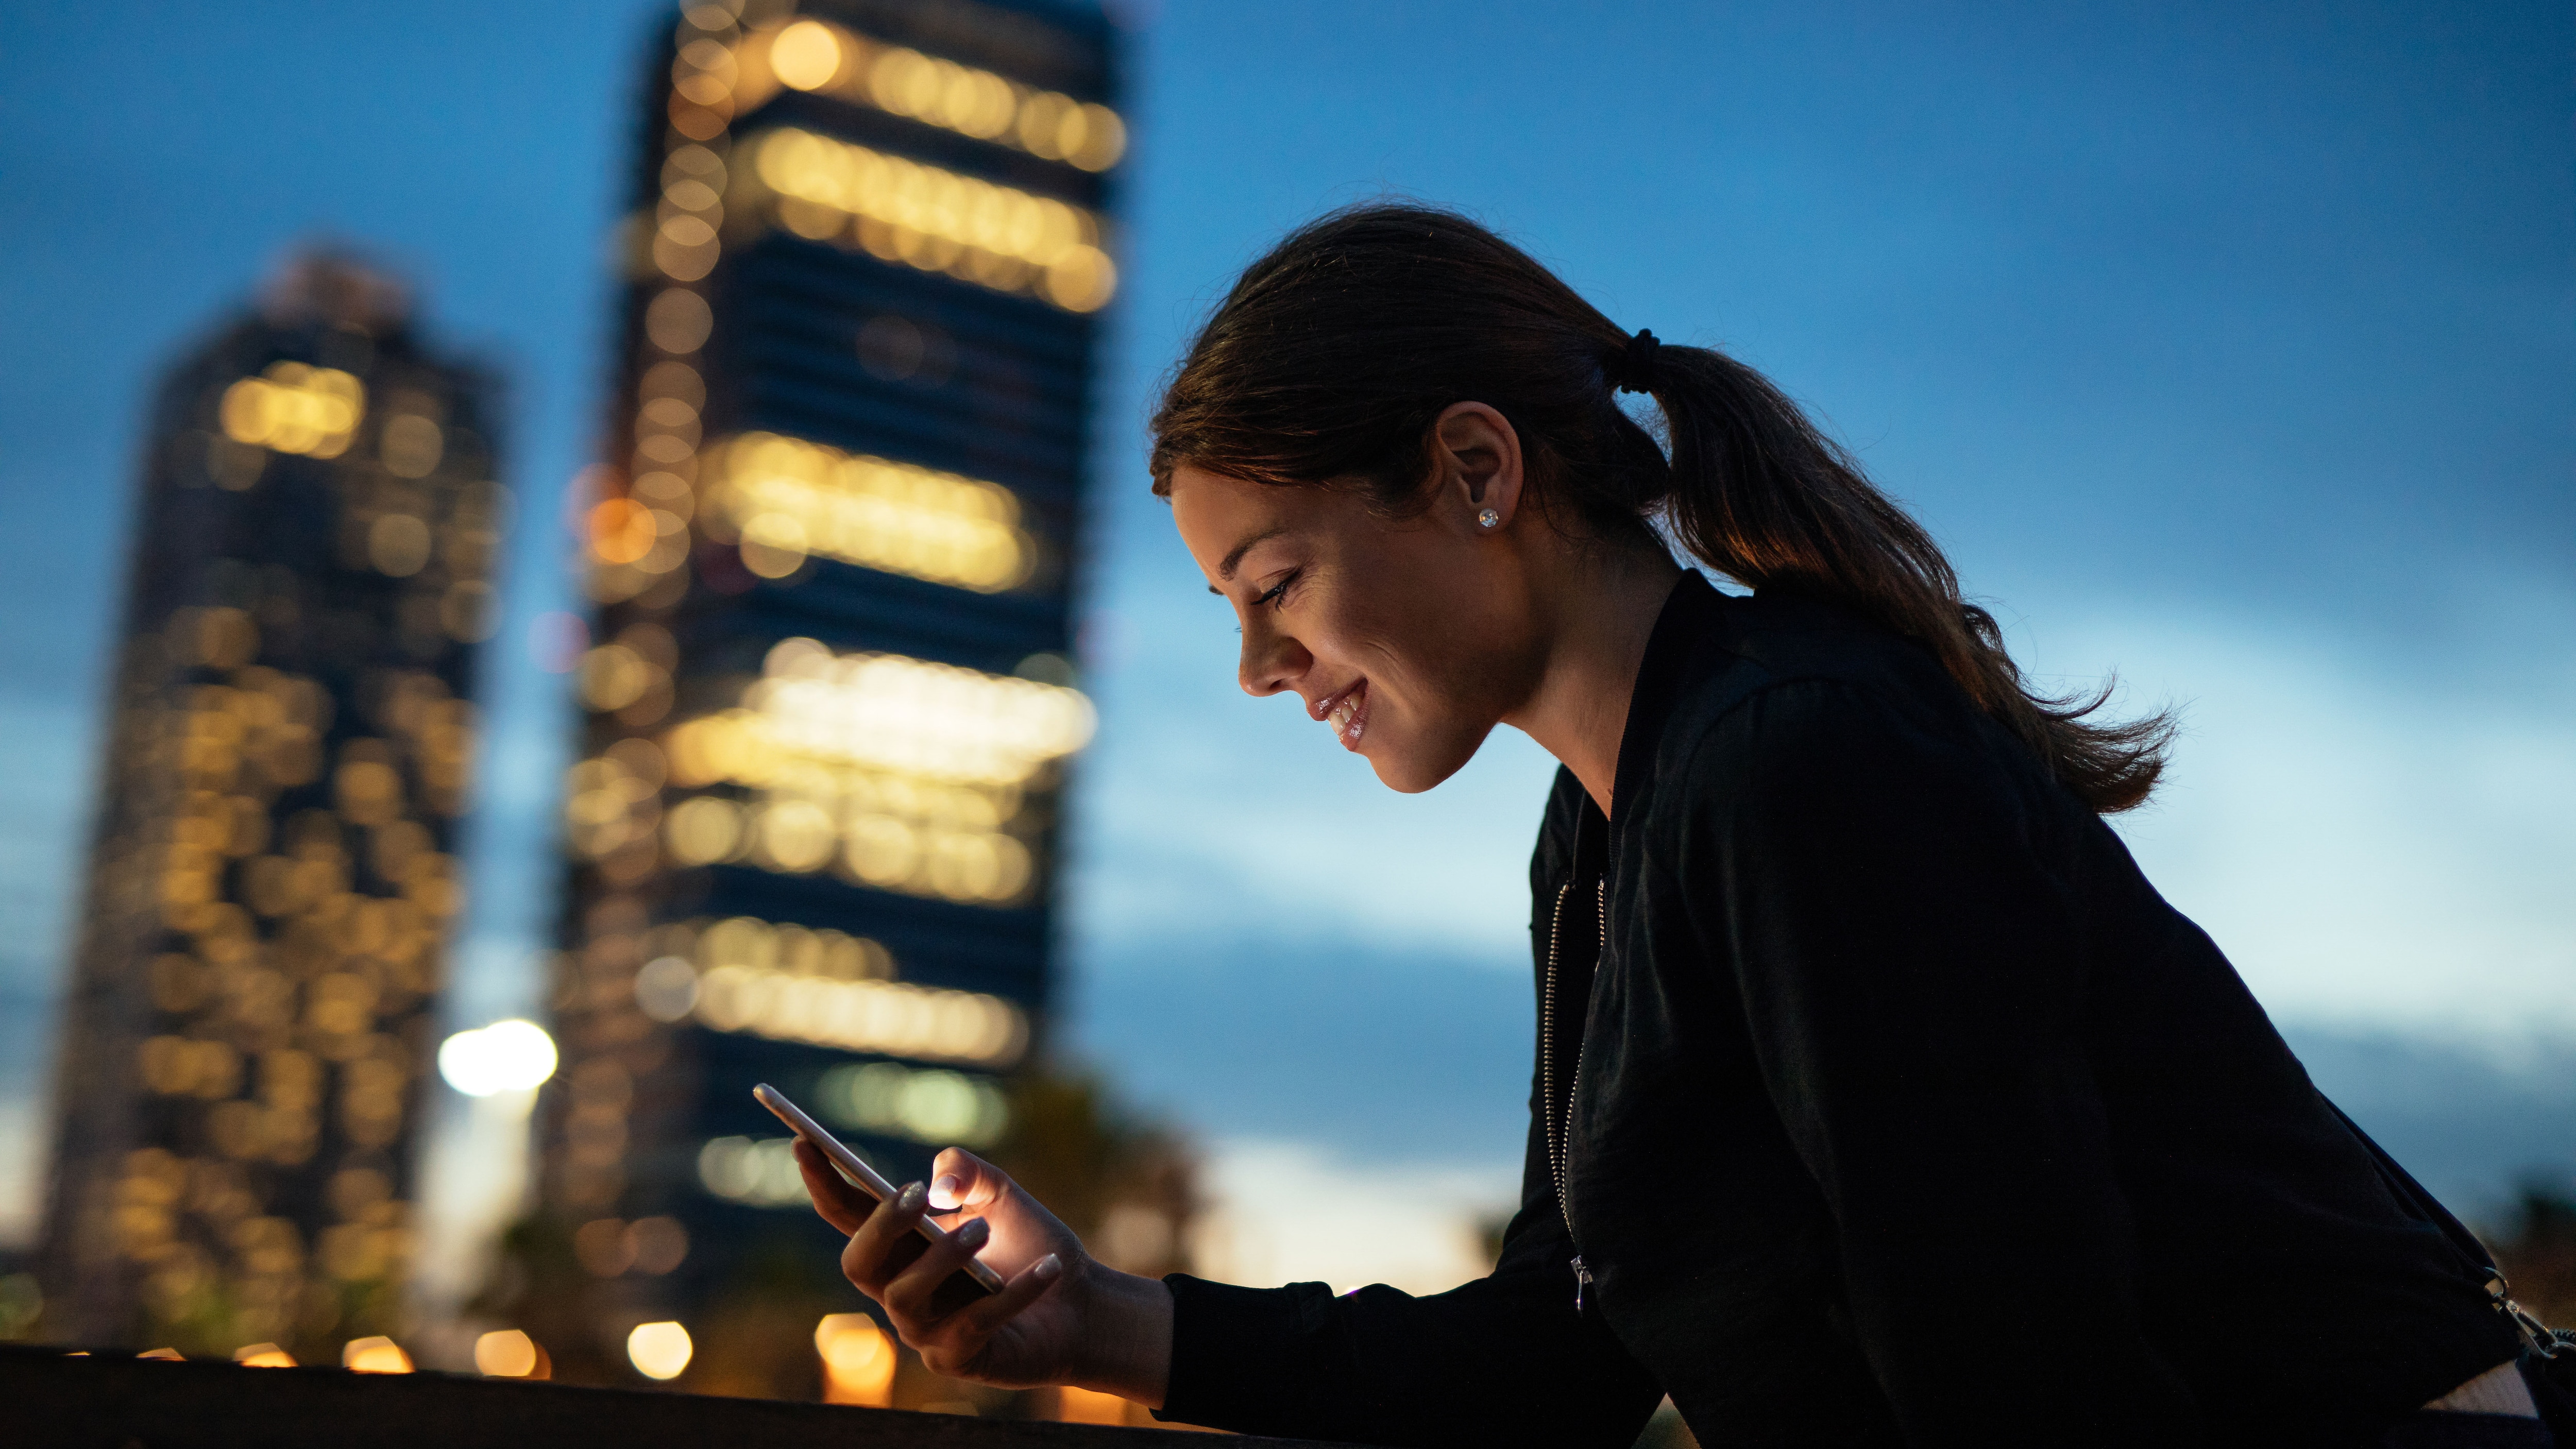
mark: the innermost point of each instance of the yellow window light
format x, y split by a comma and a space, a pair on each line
899, 773
821, 57
883, 712
292, 408
931, 218
914, 716
887, 1017
896, 517
798, 950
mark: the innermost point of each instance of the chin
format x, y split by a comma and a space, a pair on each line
1411, 768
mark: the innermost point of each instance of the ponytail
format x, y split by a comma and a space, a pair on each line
1332, 357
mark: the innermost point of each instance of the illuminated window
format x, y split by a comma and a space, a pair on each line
930, 218
896, 772
894, 713
292, 408
784, 498
816, 55
868, 1016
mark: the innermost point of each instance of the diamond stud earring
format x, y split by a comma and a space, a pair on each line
1488, 519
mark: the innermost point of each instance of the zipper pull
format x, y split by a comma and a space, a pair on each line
2544, 1343
1582, 1281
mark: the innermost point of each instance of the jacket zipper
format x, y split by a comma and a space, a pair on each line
1559, 1123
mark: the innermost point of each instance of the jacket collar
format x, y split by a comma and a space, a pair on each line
1688, 624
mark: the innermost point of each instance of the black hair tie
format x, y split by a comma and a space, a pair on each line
1633, 369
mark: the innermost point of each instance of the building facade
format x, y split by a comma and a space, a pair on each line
273, 871
829, 708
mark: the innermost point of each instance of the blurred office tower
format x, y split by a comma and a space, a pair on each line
273, 874
812, 827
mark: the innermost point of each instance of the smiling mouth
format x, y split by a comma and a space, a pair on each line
1347, 712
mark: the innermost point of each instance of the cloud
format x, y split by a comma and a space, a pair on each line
1290, 1212
2376, 842
2379, 832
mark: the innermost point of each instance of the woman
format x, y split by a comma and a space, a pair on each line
1878, 1098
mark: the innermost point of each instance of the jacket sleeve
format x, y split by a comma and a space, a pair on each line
1504, 1360
1911, 962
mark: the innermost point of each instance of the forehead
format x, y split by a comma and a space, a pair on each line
1199, 494
1219, 516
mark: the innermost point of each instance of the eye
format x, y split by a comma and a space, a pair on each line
1277, 591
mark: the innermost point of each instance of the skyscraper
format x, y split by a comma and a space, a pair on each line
273, 876
829, 700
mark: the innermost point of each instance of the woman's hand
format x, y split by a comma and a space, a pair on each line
1061, 1317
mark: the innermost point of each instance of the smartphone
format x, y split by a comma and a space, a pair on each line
967, 1284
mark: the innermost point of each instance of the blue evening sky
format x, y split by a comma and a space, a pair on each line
2230, 345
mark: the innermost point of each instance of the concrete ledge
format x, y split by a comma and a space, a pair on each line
104, 1402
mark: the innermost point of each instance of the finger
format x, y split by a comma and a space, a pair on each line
885, 1244
960, 1179
842, 1205
909, 1293
981, 1319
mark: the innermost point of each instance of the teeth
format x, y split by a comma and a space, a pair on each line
1345, 717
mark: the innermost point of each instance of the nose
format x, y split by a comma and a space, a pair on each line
1272, 661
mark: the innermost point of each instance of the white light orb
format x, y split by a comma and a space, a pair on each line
511, 1055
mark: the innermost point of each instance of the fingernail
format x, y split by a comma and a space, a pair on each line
1048, 1267
974, 1233
943, 1192
909, 1200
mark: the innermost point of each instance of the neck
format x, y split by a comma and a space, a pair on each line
1597, 631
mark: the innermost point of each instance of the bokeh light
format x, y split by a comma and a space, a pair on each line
759, 1171
294, 408
659, 1350
785, 498
508, 1353
817, 55
931, 218
374, 1354
936, 1106
858, 1360
507, 1056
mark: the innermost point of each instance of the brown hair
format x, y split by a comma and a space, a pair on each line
1333, 356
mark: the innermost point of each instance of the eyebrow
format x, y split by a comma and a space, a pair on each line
1226, 569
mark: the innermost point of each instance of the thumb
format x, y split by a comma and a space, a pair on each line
960, 1179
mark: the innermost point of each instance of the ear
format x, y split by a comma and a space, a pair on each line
1478, 459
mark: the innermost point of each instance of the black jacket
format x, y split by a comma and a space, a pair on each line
1905, 1112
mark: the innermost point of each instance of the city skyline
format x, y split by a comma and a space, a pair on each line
2224, 347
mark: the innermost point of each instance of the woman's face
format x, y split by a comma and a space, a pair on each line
1408, 639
